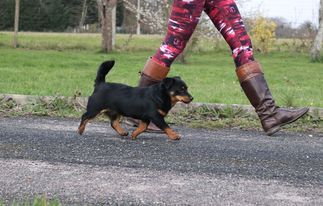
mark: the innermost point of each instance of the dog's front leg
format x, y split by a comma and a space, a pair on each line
140, 129
159, 121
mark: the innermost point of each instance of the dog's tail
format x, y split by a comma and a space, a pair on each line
103, 70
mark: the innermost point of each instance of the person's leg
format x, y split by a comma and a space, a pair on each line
181, 24
227, 19
183, 19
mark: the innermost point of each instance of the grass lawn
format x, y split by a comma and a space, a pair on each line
64, 64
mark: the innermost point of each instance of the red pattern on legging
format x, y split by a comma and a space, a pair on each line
184, 17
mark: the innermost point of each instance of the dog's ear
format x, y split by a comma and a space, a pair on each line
178, 77
168, 82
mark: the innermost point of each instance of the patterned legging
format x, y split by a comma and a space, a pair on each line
185, 15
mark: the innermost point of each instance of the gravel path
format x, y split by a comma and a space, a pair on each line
220, 167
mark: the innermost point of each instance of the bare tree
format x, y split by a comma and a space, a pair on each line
107, 12
15, 36
149, 13
317, 45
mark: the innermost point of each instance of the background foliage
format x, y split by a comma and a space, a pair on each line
65, 15
46, 15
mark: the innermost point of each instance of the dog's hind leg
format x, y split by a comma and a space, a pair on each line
140, 129
86, 117
115, 123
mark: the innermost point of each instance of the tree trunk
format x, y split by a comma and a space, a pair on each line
138, 17
83, 15
15, 36
317, 45
129, 19
107, 17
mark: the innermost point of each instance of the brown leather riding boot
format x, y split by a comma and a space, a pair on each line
152, 73
256, 89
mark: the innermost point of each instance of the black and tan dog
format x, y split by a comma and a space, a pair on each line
147, 104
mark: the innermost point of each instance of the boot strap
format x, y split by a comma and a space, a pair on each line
146, 80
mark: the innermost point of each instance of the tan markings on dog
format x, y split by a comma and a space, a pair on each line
83, 124
171, 134
173, 100
117, 127
161, 112
177, 98
140, 129
182, 98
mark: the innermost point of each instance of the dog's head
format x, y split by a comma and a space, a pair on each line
177, 90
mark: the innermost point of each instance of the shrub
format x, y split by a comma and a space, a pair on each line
263, 34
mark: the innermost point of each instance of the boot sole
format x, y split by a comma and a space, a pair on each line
275, 129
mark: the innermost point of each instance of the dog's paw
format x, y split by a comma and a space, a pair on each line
80, 131
171, 134
174, 137
133, 137
124, 134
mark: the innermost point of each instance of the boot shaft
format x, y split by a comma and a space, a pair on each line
152, 73
254, 85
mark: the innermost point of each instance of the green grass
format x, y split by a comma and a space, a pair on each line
214, 118
65, 64
200, 117
37, 201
